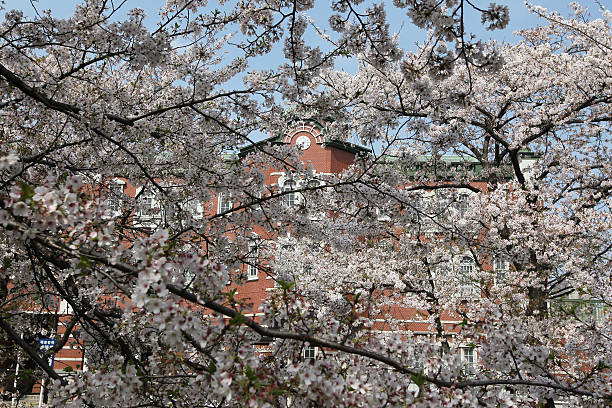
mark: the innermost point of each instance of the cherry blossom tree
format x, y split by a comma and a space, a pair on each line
511, 242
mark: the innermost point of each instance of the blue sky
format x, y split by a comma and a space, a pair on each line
519, 15
520, 18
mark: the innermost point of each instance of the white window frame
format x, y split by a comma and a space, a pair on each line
252, 262
419, 356
309, 352
149, 207
307, 270
224, 203
183, 274
467, 288
415, 211
314, 183
114, 197
148, 204
383, 215
461, 204
501, 267
65, 308
194, 207
599, 310
432, 211
588, 309
442, 270
290, 199
469, 360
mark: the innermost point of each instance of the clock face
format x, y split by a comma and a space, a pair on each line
303, 142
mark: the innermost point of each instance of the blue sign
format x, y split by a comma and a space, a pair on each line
46, 345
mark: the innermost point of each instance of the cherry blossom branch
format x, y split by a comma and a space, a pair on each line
316, 341
8, 329
55, 245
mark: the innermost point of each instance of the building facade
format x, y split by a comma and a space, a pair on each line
252, 280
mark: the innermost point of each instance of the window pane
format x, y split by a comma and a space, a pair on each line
252, 260
309, 353
468, 360
462, 203
115, 192
501, 267
468, 289
225, 203
289, 199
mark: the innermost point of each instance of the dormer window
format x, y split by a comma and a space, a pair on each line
115, 196
148, 206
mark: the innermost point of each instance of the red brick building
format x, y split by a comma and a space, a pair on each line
326, 157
